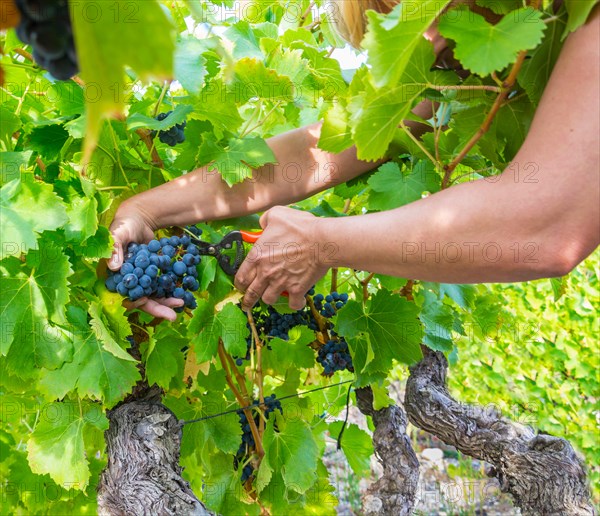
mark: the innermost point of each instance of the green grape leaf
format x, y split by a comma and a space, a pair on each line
11, 164
179, 114
392, 188
293, 451
535, 72
357, 446
213, 107
100, 327
11, 123
245, 42
164, 356
236, 161
392, 39
438, 322
34, 296
57, 446
48, 140
484, 48
294, 352
20, 224
512, 125
376, 113
83, 218
93, 372
190, 64
579, 11
224, 430
462, 295
109, 43
252, 79
68, 97
207, 327
336, 135
290, 63
384, 329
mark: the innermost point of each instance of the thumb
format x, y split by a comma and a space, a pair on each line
264, 219
116, 260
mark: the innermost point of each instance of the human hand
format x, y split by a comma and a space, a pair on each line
131, 224
285, 258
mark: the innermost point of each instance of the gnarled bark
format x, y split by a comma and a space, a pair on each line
395, 492
143, 476
542, 473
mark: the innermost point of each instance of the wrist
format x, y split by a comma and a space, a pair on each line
327, 242
135, 209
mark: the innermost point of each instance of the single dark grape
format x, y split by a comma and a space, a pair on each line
179, 268
136, 293
145, 281
130, 281
154, 246
48, 42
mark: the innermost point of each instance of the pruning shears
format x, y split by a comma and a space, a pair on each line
232, 240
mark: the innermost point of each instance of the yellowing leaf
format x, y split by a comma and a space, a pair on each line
110, 41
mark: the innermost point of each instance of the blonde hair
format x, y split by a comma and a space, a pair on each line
351, 22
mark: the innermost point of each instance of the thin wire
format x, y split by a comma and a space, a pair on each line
339, 439
233, 411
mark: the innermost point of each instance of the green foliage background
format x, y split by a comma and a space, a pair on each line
63, 346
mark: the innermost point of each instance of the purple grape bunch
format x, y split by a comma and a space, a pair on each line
335, 356
173, 135
328, 305
248, 444
46, 26
162, 268
272, 324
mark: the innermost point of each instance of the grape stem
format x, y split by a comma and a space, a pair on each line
161, 98
507, 86
365, 286
144, 135
320, 320
240, 399
259, 372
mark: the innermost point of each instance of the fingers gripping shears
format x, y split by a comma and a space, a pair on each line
232, 240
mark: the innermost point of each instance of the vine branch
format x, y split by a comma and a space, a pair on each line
144, 135
240, 399
259, 372
505, 90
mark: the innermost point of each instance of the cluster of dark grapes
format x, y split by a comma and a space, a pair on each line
162, 268
328, 305
335, 356
173, 135
281, 324
272, 324
248, 444
46, 26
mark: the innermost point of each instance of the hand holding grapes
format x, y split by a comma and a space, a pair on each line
130, 225
286, 258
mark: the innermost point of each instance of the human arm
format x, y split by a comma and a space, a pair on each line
541, 228
302, 169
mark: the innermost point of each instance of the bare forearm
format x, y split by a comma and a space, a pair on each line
472, 233
301, 171
540, 218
